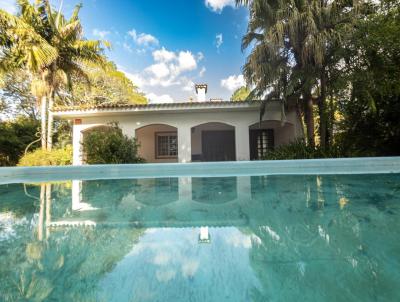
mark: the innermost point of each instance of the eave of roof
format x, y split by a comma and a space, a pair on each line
168, 107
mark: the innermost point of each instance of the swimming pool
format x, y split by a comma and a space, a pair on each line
320, 230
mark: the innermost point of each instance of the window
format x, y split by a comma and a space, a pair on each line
166, 145
261, 140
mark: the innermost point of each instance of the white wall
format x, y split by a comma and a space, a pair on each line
185, 120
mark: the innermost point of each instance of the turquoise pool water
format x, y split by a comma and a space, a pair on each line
233, 238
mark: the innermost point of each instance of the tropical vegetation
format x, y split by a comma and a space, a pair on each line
336, 61
45, 61
240, 94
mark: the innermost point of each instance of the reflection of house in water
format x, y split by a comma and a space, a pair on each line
245, 201
162, 202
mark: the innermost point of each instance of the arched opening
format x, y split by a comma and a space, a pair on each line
267, 135
213, 142
158, 143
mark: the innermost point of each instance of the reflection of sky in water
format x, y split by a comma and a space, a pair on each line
281, 238
170, 265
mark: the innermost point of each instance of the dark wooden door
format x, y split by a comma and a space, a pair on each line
218, 145
261, 140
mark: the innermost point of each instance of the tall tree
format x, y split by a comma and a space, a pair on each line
107, 86
50, 47
292, 42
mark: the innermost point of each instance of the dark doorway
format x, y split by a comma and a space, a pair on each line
261, 140
218, 145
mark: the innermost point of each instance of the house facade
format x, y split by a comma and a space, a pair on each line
192, 131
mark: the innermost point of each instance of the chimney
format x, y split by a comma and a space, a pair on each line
201, 90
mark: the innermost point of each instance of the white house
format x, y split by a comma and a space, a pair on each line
183, 132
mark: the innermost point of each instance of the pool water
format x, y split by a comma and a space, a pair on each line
248, 238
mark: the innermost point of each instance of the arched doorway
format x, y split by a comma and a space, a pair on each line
213, 142
267, 135
158, 143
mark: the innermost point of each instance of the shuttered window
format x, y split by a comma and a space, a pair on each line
261, 141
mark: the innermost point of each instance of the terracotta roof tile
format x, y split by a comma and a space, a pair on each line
150, 106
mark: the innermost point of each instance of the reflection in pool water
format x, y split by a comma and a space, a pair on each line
270, 238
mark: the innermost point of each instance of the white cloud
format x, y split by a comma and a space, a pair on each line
127, 47
100, 33
9, 6
202, 72
186, 61
219, 40
200, 56
147, 39
159, 99
188, 85
233, 82
143, 39
159, 70
218, 5
169, 67
163, 55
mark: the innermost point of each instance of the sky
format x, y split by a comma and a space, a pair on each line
165, 47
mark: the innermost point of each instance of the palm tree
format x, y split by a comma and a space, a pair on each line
293, 41
51, 48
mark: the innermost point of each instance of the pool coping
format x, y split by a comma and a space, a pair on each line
365, 165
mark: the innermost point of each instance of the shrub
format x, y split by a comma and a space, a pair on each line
300, 150
110, 146
15, 135
56, 157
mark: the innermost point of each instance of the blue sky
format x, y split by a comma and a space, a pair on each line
166, 46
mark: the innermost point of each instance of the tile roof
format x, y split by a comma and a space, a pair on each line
181, 105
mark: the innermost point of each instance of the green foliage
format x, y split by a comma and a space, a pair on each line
300, 150
110, 146
107, 86
240, 94
16, 95
55, 157
371, 123
15, 135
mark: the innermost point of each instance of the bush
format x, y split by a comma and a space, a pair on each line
300, 150
15, 135
110, 146
56, 157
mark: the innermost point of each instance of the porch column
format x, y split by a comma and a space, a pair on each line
128, 130
184, 144
242, 142
76, 145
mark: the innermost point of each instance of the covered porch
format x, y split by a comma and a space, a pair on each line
191, 132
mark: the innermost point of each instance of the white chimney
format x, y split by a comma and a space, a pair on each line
201, 90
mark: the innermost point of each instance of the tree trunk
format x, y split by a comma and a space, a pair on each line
43, 112
50, 123
331, 119
309, 118
299, 117
322, 112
